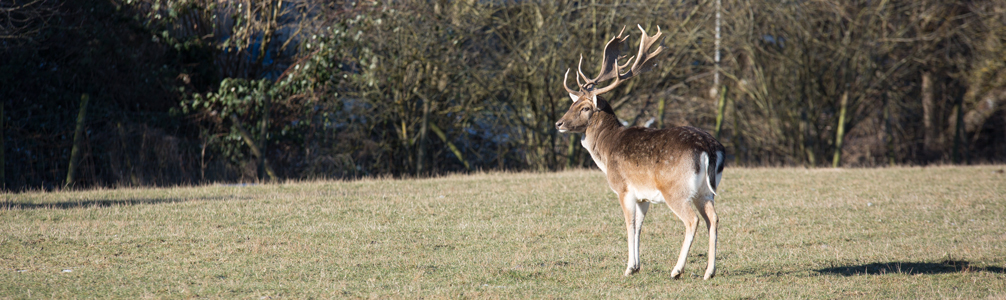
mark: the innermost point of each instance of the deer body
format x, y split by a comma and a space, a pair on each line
679, 166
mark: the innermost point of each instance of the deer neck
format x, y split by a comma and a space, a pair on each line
599, 137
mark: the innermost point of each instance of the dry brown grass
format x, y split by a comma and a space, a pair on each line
934, 232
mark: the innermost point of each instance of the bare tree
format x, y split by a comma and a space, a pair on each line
21, 21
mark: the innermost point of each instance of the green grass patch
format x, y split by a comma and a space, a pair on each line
936, 232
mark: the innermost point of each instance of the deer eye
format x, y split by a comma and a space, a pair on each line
585, 109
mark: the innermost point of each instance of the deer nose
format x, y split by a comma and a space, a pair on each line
558, 124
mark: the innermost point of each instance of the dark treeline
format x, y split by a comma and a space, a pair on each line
191, 91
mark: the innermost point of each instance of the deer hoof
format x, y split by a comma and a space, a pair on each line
709, 275
676, 274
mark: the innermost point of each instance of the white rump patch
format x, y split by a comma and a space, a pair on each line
704, 169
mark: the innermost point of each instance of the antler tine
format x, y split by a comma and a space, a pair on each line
622, 67
580, 72
642, 63
609, 63
564, 78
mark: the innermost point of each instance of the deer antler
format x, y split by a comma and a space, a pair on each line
609, 65
571, 92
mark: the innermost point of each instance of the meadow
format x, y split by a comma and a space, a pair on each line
904, 232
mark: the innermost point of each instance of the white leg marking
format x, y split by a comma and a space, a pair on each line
633, 225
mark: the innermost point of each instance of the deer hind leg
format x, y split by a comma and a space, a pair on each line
708, 212
681, 207
634, 213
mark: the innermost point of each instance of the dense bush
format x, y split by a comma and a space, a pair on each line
187, 91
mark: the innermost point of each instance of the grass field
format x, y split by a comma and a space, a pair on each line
937, 232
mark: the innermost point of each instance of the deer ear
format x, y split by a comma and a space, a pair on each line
574, 97
594, 97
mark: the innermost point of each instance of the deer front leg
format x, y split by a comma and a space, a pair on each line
634, 212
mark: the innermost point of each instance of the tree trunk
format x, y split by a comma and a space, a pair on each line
808, 145
450, 145
3, 178
720, 108
254, 148
421, 147
840, 134
717, 38
929, 139
129, 161
888, 131
984, 108
958, 126
738, 136
263, 134
660, 112
77, 136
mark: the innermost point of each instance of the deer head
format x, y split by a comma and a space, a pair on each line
579, 113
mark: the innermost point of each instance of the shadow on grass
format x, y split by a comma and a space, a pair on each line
911, 268
99, 203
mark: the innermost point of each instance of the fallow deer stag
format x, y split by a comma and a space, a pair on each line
680, 166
